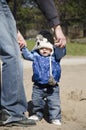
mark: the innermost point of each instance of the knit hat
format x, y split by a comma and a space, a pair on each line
46, 34
43, 42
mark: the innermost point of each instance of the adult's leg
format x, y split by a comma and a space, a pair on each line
0, 82
13, 97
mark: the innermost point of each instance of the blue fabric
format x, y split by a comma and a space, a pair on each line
59, 52
12, 94
52, 96
41, 66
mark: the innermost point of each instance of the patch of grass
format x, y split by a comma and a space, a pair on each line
76, 49
73, 49
30, 44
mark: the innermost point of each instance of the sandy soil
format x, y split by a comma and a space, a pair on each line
73, 96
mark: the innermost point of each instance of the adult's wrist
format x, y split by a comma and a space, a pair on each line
54, 28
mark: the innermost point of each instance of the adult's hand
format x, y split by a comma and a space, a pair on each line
21, 40
60, 39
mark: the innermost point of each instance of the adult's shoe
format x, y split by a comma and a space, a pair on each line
5, 120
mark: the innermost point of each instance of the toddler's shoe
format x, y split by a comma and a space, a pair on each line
35, 118
56, 122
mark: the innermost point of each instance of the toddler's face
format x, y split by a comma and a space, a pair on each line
45, 51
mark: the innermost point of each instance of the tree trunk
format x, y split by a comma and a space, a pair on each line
14, 9
84, 30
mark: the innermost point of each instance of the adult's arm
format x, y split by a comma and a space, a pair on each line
49, 10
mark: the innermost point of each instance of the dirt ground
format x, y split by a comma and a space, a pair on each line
73, 95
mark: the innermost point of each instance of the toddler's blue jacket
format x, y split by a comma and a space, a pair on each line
41, 66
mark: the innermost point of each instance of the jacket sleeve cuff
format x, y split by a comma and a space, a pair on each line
54, 22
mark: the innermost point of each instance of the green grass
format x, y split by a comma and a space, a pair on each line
30, 44
73, 49
76, 49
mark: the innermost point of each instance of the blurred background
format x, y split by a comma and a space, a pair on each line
72, 16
